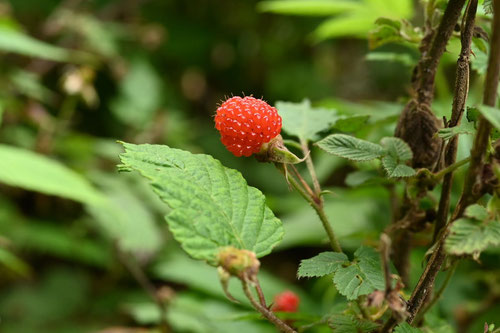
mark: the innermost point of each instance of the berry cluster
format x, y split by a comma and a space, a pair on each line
245, 124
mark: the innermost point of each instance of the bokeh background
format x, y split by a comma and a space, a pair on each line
76, 76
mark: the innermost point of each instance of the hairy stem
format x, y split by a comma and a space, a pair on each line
310, 167
317, 205
268, 314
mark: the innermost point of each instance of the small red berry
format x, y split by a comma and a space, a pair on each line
286, 301
245, 124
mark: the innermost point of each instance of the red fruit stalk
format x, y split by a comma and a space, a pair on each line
286, 301
245, 124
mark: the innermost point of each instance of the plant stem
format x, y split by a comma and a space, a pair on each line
451, 168
310, 167
268, 314
262, 299
318, 207
439, 293
459, 99
484, 128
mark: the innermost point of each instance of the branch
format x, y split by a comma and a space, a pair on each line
268, 314
481, 142
459, 99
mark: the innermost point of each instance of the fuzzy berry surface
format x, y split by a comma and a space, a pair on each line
286, 301
245, 124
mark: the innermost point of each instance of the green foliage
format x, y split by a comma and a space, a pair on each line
476, 212
468, 236
350, 123
398, 154
390, 31
349, 147
307, 7
25, 169
491, 114
362, 276
465, 127
406, 328
346, 323
140, 95
14, 263
303, 121
212, 206
18, 42
351, 18
322, 264
474, 233
394, 153
132, 229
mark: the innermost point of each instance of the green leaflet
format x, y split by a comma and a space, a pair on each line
212, 206
322, 264
347, 323
304, 121
398, 152
406, 328
352, 148
395, 169
363, 276
468, 236
476, 212
32, 171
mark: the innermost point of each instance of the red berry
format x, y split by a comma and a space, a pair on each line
286, 301
245, 124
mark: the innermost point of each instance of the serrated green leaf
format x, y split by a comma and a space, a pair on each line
346, 323
17, 42
307, 7
397, 148
476, 212
468, 236
322, 264
303, 121
406, 328
350, 123
352, 148
398, 153
212, 206
362, 276
491, 114
395, 170
35, 172
465, 127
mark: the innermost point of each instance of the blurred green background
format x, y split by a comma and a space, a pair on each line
75, 76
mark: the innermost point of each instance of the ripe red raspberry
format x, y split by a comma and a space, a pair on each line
245, 124
286, 301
